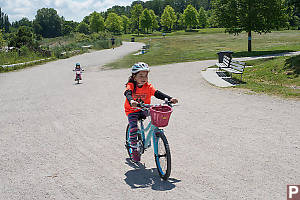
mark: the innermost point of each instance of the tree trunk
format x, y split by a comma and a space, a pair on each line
249, 41
138, 26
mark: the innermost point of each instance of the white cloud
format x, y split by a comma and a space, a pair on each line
70, 9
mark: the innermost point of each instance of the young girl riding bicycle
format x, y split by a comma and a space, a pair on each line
139, 89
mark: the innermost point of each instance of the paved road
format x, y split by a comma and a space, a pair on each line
59, 140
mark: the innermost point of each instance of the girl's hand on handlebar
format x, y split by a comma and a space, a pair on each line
174, 100
133, 103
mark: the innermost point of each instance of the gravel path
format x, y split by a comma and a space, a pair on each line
59, 140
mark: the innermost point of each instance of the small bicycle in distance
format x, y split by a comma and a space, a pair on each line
78, 75
160, 115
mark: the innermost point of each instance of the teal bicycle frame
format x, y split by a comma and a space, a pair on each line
152, 130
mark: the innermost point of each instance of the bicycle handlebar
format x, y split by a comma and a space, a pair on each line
146, 106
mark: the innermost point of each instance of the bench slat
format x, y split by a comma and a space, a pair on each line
239, 64
237, 67
221, 65
228, 69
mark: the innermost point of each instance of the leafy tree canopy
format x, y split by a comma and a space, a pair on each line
256, 15
113, 23
168, 18
82, 28
47, 23
23, 37
202, 18
146, 20
96, 22
190, 16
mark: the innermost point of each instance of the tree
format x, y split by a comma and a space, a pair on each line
113, 23
4, 22
68, 27
2, 41
146, 20
260, 16
211, 19
296, 6
82, 27
190, 17
96, 22
293, 13
119, 10
154, 22
202, 18
126, 23
136, 13
180, 21
86, 19
22, 22
168, 18
47, 23
156, 5
23, 37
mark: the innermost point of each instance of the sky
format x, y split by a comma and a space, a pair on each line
74, 10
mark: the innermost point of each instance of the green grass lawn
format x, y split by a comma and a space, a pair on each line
202, 45
276, 76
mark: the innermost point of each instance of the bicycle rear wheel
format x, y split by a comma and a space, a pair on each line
129, 150
140, 143
163, 157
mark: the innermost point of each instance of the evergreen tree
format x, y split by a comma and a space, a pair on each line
168, 18
2, 41
136, 13
154, 20
190, 16
4, 21
146, 20
202, 18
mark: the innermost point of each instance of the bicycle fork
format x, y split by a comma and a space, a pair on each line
156, 134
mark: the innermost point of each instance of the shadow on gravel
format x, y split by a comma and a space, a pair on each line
140, 177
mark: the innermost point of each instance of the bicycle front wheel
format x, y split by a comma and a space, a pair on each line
163, 156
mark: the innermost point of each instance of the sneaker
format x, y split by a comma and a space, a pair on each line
136, 156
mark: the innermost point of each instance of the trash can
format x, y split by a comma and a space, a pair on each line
222, 53
132, 39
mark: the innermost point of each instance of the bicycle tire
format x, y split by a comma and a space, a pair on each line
129, 151
163, 151
139, 142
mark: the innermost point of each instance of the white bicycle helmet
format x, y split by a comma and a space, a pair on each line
140, 66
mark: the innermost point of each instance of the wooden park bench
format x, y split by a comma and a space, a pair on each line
232, 66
